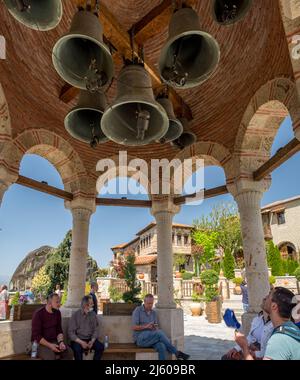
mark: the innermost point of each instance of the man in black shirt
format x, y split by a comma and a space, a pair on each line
93, 293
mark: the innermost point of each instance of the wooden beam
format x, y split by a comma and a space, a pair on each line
44, 188
154, 22
123, 202
207, 194
120, 39
282, 155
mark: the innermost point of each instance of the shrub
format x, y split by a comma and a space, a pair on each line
237, 281
210, 279
64, 296
272, 280
297, 273
15, 299
196, 297
187, 275
228, 265
274, 259
114, 294
41, 284
131, 296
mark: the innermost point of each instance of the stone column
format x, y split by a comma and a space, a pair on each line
82, 210
3, 188
164, 211
248, 199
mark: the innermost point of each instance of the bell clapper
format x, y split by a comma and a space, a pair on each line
22, 6
230, 11
143, 120
95, 139
95, 79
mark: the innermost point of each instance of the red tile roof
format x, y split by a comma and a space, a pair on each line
144, 260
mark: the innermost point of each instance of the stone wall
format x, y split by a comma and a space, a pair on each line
15, 336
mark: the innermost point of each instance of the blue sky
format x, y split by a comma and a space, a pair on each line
30, 219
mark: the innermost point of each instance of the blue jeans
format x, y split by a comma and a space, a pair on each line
158, 340
245, 307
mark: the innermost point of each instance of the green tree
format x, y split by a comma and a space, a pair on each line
41, 284
274, 259
228, 265
131, 296
57, 263
208, 241
224, 222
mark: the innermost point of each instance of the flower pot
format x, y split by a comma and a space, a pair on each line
196, 309
178, 275
141, 276
237, 290
213, 311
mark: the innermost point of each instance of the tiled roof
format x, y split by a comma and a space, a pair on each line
152, 224
279, 203
144, 260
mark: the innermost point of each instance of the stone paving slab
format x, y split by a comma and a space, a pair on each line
205, 341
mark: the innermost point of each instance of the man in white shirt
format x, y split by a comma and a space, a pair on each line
260, 332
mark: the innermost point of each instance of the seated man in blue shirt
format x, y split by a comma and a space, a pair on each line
147, 334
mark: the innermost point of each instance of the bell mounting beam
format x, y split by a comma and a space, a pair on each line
278, 159
120, 39
155, 21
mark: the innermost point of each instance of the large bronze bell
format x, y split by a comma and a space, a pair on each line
36, 14
190, 55
83, 121
175, 127
80, 57
230, 11
187, 137
134, 118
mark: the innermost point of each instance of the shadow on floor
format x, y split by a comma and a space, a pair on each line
203, 348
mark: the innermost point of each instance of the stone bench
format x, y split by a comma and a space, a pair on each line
115, 351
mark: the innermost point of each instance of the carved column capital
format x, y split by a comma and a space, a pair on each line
81, 207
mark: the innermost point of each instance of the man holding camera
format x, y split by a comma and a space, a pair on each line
146, 332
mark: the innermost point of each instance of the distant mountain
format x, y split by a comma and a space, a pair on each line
4, 279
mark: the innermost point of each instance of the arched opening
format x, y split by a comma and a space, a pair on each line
27, 217
288, 250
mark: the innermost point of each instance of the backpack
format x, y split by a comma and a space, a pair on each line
290, 329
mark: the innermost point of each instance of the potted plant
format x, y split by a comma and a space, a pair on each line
237, 289
210, 280
196, 306
179, 261
130, 297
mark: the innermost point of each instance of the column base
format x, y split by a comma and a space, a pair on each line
172, 323
247, 319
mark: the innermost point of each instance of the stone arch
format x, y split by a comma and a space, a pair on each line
5, 125
214, 154
58, 152
287, 249
268, 108
124, 167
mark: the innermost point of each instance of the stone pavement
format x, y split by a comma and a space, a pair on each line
205, 341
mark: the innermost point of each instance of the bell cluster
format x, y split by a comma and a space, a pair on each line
136, 117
